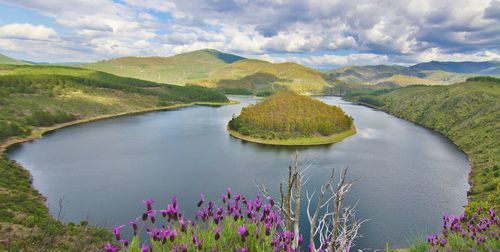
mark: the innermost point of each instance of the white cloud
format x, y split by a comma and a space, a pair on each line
375, 32
27, 32
330, 60
437, 54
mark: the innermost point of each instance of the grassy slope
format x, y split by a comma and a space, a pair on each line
291, 75
406, 80
467, 113
178, 69
209, 67
7, 60
25, 223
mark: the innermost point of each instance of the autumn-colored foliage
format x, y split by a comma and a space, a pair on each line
288, 115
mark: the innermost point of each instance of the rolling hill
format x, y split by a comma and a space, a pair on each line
10, 61
429, 73
395, 76
265, 76
211, 68
465, 67
177, 69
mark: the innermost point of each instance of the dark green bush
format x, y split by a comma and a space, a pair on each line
371, 100
45, 118
8, 129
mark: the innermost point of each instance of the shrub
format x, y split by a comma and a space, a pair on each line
44, 118
371, 100
8, 129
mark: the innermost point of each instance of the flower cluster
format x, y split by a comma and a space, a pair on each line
480, 232
238, 224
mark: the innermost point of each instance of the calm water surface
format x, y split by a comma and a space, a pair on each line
409, 175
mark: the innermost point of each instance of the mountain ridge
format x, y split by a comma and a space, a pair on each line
233, 73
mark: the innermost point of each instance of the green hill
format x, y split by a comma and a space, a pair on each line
468, 113
279, 76
76, 93
211, 68
178, 69
10, 61
364, 74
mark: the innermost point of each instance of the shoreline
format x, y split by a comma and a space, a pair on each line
305, 141
468, 155
38, 132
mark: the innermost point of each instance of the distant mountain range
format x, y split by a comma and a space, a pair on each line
466, 67
429, 73
232, 73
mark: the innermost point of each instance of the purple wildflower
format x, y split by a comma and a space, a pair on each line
243, 232
110, 248
151, 214
145, 248
217, 233
133, 223
183, 226
116, 232
202, 199
149, 204
442, 242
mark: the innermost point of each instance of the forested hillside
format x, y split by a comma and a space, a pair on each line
62, 94
468, 113
227, 72
279, 76
178, 69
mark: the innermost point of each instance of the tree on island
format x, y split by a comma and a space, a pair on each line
289, 115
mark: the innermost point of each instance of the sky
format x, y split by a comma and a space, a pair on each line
318, 33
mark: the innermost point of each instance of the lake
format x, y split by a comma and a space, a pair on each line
409, 175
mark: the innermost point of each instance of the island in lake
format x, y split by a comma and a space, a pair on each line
287, 118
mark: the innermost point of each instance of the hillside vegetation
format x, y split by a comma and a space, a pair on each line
36, 98
468, 113
62, 94
280, 76
178, 69
229, 73
233, 74
288, 115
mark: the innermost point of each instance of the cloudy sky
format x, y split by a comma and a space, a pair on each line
317, 33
